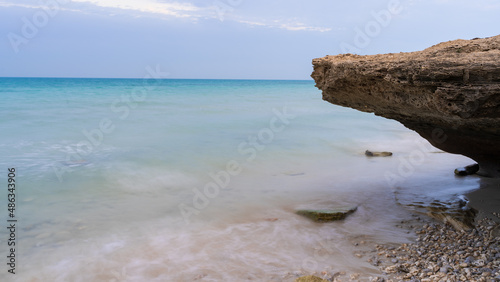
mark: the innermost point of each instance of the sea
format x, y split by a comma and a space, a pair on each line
199, 180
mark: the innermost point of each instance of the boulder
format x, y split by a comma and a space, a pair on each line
468, 170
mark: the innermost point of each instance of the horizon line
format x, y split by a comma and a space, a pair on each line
68, 77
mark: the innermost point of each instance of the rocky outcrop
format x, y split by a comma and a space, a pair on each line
448, 93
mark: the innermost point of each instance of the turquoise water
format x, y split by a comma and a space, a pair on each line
172, 180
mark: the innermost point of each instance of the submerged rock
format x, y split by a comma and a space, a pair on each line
310, 278
377, 154
327, 215
448, 93
460, 220
468, 170
456, 213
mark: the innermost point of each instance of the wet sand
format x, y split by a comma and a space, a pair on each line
486, 199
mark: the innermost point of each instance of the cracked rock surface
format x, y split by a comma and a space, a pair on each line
448, 93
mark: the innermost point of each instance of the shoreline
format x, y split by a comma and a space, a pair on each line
439, 251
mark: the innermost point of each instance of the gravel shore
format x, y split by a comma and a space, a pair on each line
442, 253
439, 253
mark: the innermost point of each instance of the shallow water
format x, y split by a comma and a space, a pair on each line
199, 179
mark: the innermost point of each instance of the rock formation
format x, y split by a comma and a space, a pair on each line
448, 93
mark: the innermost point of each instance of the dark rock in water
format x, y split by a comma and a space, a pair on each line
377, 154
468, 170
455, 213
462, 201
460, 219
448, 93
327, 215
310, 278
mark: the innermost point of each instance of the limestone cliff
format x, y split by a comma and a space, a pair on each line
448, 93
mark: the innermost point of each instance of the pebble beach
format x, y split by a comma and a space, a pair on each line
442, 253
438, 253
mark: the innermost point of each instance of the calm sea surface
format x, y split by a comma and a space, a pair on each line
178, 180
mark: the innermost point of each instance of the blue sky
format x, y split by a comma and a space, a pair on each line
235, 39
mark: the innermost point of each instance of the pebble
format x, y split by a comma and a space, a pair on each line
469, 259
444, 269
442, 253
354, 276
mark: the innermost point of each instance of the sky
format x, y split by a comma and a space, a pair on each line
222, 39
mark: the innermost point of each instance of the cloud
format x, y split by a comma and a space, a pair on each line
290, 26
482, 5
303, 27
112, 7
234, 12
4, 4
168, 10
175, 9
55, 6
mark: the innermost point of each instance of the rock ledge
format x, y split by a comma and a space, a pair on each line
448, 93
